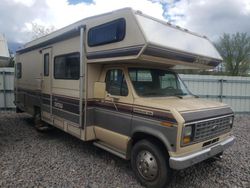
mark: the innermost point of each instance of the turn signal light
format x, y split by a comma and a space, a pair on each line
186, 139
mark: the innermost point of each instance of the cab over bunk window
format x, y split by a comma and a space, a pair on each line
67, 66
116, 83
19, 70
107, 33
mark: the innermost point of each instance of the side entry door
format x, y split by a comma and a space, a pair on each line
47, 85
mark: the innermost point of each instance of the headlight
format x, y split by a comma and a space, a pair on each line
188, 131
187, 134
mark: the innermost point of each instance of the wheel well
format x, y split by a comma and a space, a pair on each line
141, 136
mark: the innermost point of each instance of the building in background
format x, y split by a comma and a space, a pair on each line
4, 51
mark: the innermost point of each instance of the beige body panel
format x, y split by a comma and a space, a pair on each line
31, 71
114, 139
181, 105
66, 87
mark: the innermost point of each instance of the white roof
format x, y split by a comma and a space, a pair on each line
4, 51
160, 33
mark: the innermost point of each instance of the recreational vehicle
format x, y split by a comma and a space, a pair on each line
110, 79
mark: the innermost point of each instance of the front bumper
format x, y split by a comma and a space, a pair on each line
191, 159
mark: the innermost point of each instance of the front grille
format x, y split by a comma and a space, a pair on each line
211, 128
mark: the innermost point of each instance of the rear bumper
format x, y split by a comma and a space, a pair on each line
191, 159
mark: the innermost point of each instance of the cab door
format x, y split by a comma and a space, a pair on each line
47, 85
114, 113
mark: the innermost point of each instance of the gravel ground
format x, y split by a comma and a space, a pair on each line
55, 159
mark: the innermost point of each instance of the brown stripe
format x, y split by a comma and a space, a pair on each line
32, 92
200, 115
65, 99
157, 115
72, 105
111, 106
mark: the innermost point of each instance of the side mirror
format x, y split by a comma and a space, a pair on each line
99, 90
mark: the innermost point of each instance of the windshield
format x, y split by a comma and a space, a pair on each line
156, 83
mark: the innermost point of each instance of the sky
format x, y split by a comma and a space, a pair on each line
211, 18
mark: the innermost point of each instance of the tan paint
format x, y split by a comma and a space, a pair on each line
114, 139
99, 90
90, 133
72, 129
180, 105
180, 121
164, 61
46, 117
58, 122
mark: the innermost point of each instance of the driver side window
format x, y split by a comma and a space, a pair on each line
116, 83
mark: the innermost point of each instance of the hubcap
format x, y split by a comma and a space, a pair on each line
147, 165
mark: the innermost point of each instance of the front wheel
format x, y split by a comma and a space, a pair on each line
150, 164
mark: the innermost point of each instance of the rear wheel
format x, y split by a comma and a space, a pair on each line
150, 164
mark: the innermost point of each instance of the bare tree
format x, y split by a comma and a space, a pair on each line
235, 50
40, 30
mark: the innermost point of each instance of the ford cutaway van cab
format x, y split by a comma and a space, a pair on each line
110, 79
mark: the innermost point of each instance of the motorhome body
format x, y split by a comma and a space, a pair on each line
108, 79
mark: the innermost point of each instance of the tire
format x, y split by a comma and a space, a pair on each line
150, 165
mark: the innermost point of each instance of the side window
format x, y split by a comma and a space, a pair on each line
19, 70
67, 66
46, 64
116, 83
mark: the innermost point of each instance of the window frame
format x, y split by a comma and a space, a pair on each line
121, 84
46, 71
62, 55
118, 21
